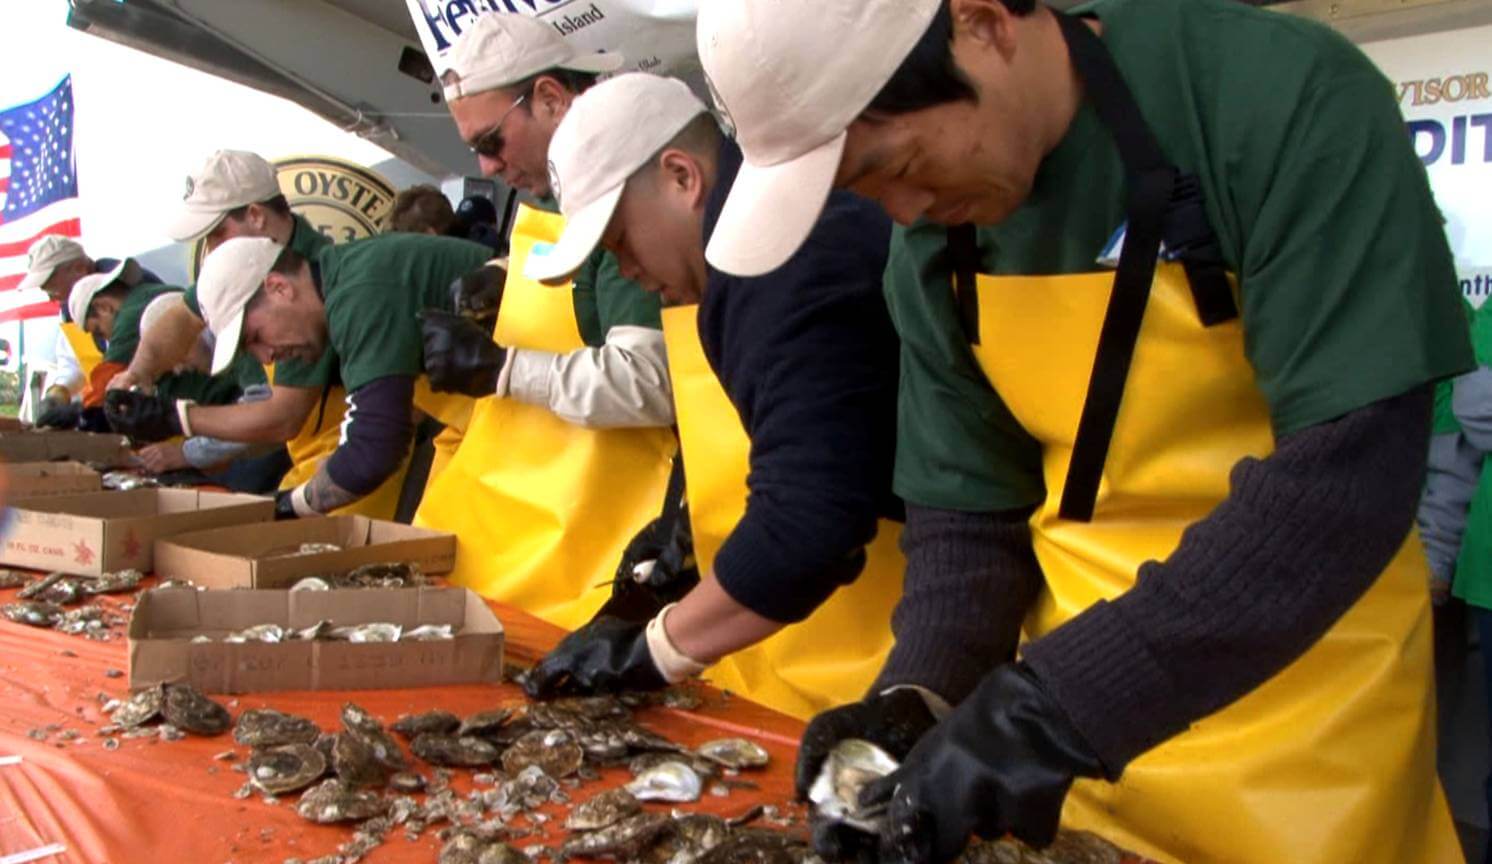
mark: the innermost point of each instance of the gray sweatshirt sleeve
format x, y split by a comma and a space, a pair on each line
1450, 482
1472, 401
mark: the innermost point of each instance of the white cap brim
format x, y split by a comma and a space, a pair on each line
576, 243
772, 209
226, 347
190, 225
37, 279
599, 63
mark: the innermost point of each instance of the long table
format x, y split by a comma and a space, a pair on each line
171, 801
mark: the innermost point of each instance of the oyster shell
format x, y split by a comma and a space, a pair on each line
469, 848
187, 709
757, 846
407, 781
12, 579
412, 726
706, 769
357, 719
553, 750
114, 583
603, 743
58, 588
285, 768
311, 583
485, 723
689, 837
734, 753
378, 631
332, 801
429, 633
34, 612
462, 751
139, 709
317, 548
265, 727
391, 574
531, 788
270, 633
835, 792
356, 762
622, 840
667, 781
319, 630
607, 808
502, 853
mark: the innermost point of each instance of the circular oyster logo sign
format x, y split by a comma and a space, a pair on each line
342, 200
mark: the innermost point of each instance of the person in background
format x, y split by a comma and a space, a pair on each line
422, 209
54, 263
1455, 513
476, 220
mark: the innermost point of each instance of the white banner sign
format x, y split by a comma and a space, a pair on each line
651, 35
1442, 83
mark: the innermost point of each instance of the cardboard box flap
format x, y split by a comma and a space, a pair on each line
50, 469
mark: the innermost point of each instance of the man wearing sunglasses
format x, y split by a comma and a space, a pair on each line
580, 373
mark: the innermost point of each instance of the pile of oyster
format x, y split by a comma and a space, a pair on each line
44, 602
123, 481
327, 630
387, 574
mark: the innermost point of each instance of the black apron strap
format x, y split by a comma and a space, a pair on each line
1152, 181
963, 260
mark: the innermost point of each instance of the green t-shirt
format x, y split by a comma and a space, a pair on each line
294, 373
374, 291
126, 336
1347, 289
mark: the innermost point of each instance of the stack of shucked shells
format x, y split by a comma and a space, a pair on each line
168, 711
329, 631
386, 574
44, 602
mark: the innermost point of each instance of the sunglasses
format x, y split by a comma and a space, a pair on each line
490, 143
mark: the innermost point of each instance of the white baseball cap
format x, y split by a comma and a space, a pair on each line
610, 131
228, 180
85, 289
46, 255
500, 49
770, 73
230, 276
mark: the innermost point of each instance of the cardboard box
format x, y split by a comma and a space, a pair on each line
11, 424
261, 556
29, 479
99, 532
165, 621
111, 451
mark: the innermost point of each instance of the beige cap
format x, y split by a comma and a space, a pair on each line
46, 255
610, 131
500, 49
230, 179
85, 289
791, 84
229, 278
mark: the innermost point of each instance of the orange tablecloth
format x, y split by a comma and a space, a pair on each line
164, 802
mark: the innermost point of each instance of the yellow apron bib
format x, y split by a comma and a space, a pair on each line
86, 350
317, 439
1333, 759
542, 508
832, 657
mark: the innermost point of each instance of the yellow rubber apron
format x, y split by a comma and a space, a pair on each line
542, 508
86, 351
1330, 761
834, 655
318, 439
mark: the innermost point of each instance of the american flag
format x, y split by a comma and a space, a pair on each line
39, 186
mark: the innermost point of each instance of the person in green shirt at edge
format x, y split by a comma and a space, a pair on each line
511, 80
109, 308
1455, 514
234, 194
358, 302
1196, 501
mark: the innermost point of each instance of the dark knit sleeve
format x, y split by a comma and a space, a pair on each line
810, 360
1301, 536
970, 579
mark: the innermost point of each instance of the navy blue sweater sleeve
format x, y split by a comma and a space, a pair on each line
808, 356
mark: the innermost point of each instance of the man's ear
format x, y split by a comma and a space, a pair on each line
680, 173
279, 286
550, 100
257, 218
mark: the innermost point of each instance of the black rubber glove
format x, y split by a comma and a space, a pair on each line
460, 356
141, 416
1000, 764
94, 420
665, 549
283, 508
479, 294
56, 414
607, 655
892, 721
